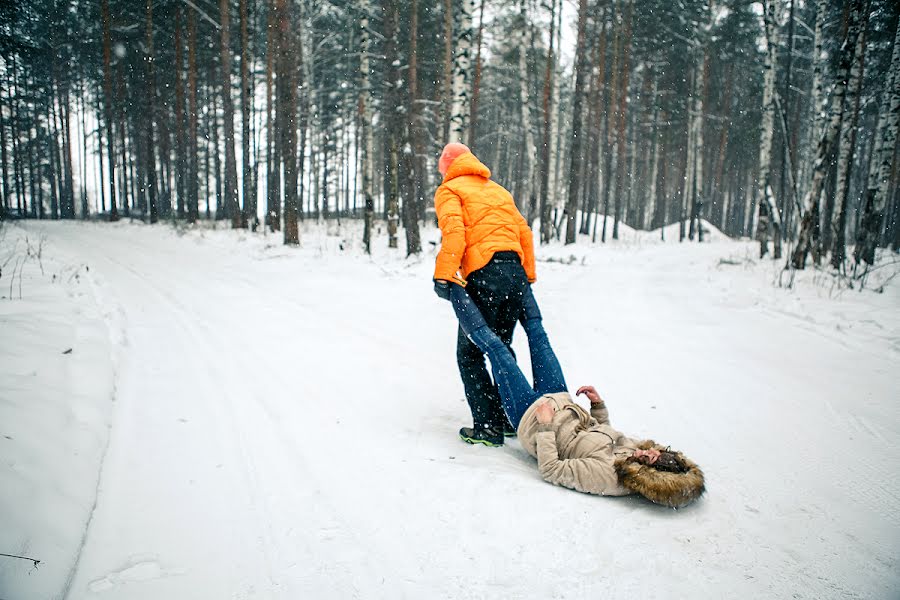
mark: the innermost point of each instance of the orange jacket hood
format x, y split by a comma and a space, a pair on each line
466, 164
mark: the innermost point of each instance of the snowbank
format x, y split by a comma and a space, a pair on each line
56, 388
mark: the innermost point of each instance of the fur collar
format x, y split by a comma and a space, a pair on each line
669, 489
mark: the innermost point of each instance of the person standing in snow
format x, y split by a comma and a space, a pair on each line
574, 448
488, 248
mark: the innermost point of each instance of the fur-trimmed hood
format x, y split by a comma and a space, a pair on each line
662, 487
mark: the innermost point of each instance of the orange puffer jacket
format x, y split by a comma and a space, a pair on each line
477, 218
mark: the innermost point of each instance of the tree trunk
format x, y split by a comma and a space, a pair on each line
623, 107
230, 183
4, 201
56, 177
411, 205
769, 215
67, 196
611, 120
720, 197
85, 210
700, 104
847, 144
18, 167
557, 112
305, 99
150, 116
248, 217
223, 208
545, 141
447, 83
273, 162
102, 176
596, 133
127, 198
810, 220
181, 177
393, 124
878, 188
459, 112
661, 197
581, 68
786, 146
367, 149
193, 170
287, 95
476, 80
526, 178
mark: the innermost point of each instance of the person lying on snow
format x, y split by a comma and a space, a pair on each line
574, 448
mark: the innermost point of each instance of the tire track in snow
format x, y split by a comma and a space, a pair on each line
204, 339
139, 282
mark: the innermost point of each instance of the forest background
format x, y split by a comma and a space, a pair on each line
774, 119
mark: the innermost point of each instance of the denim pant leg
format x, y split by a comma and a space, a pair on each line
515, 392
481, 393
545, 368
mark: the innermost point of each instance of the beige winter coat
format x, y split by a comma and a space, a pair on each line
576, 450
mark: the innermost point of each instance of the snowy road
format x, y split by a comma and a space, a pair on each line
284, 426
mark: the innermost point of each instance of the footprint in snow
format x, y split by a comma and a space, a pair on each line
139, 570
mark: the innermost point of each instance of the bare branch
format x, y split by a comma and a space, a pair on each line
203, 14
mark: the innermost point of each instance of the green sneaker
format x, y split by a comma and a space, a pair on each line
481, 435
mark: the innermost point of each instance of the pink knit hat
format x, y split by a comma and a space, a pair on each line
451, 152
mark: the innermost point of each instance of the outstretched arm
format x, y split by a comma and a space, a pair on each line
598, 406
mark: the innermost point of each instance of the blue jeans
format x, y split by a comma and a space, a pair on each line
515, 391
496, 289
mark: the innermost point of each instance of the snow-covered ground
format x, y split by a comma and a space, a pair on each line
238, 419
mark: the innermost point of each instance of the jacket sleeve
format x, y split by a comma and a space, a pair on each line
600, 413
590, 475
526, 239
448, 208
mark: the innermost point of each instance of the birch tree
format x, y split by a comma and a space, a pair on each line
459, 111
392, 60
447, 75
878, 187
847, 145
769, 215
810, 220
367, 148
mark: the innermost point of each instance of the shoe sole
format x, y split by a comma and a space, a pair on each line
490, 444
510, 435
